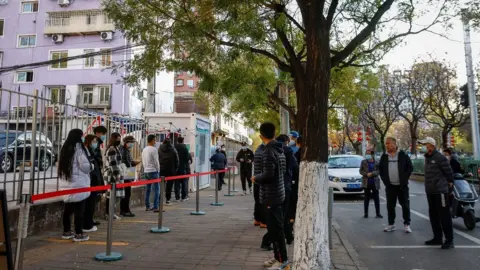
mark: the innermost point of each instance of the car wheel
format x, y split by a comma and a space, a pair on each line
44, 163
6, 164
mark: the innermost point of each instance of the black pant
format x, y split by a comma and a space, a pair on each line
184, 187
220, 177
371, 192
90, 204
125, 201
287, 226
258, 209
78, 210
169, 186
292, 211
245, 176
440, 216
393, 192
276, 234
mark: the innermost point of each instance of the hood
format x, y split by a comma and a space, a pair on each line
277, 147
345, 172
180, 146
166, 148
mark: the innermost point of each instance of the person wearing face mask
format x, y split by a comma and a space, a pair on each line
245, 157
96, 179
125, 150
456, 167
371, 182
113, 171
99, 132
293, 140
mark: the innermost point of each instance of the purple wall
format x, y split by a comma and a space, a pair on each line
17, 23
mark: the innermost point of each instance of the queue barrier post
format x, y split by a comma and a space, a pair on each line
233, 188
216, 203
160, 228
197, 211
24, 214
109, 256
229, 194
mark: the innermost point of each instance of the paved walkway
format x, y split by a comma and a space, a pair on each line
224, 238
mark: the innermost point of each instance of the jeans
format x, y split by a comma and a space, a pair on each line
393, 192
156, 190
245, 177
125, 201
183, 184
78, 210
90, 204
440, 216
371, 192
276, 234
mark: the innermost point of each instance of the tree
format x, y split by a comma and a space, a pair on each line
212, 31
350, 128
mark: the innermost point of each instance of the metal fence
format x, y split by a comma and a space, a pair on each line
468, 165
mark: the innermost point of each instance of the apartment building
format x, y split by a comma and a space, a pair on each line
35, 31
186, 85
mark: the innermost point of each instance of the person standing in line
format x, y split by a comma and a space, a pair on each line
125, 150
438, 184
219, 162
272, 194
101, 133
74, 167
296, 176
151, 170
395, 169
258, 212
370, 182
183, 166
168, 157
245, 157
96, 179
113, 169
454, 164
223, 150
293, 136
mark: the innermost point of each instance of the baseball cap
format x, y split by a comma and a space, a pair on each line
428, 140
294, 134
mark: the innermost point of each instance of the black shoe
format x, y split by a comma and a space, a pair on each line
266, 247
96, 223
448, 245
129, 214
289, 241
379, 216
365, 216
433, 242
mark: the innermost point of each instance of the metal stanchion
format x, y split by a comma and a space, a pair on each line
109, 256
23, 217
216, 203
233, 188
330, 214
197, 209
229, 194
160, 228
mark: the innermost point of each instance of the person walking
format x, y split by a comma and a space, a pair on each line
168, 157
245, 157
184, 161
370, 182
74, 167
438, 184
151, 170
113, 169
272, 194
395, 168
96, 179
125, 151
219, 162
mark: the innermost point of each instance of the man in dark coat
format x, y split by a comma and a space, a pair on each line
219, 162
245, 157
168, 157
185, 160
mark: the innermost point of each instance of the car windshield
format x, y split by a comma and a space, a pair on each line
3, 139
345, 162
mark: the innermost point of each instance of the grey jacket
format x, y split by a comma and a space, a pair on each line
364, 172
438, 173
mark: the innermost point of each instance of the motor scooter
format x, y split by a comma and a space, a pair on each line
463, 202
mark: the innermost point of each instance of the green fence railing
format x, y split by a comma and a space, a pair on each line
468, 165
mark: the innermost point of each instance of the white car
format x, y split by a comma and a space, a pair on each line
344, 174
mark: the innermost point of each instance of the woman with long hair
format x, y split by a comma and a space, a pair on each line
127, 159
114, 161
96, 179
74, 167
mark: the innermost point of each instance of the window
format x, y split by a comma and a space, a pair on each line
58, 55
57, 95
106, 57
190, 83
179, 82
87, 95
2, 23
27, 41
24, 76
104, 95
29, 6
89, 62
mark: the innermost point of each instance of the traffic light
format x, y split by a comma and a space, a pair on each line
464, 101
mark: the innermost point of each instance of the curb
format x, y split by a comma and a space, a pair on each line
350, 250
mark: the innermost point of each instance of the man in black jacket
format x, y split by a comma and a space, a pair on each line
245, 158
258, 212
272, 194
168, 158
395, 170
438, 182
184, 161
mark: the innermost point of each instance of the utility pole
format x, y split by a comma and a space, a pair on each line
471, 84
284, 115
150, 101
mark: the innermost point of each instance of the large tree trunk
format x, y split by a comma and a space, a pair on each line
382, 142
414, 138
311, 223
445, 138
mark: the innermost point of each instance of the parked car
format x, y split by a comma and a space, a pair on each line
19, 148
344, 174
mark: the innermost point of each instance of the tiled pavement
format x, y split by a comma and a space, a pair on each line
224, 238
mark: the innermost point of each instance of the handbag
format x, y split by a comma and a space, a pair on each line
130, 174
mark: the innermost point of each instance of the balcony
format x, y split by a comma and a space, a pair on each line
79, 22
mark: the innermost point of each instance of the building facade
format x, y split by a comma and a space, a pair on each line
36, 31
186, 85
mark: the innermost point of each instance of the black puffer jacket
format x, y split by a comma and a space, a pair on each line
184, 158
257, 161
438, 173
246, 155
270, 179
168, 158
291, 167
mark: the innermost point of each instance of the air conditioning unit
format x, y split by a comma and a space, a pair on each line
59, 109
57, 38
64, 3
106, 35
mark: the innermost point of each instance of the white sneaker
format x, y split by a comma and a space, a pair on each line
279, 266
116, 217
389, 228
408, 229
93, 229
270, 262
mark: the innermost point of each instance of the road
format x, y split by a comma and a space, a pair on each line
397, 250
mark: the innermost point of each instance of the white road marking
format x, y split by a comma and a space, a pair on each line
464, 235
356, 203
415, 247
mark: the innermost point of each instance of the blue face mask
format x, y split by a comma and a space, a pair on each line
130, 145
103, 137
292, 143
94, 146
368, 157
83, 139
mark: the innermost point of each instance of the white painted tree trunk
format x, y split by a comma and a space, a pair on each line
311, 250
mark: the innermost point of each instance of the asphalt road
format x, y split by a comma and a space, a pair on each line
398, 250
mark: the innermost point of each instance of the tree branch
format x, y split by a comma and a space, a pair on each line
280, 102
331, 13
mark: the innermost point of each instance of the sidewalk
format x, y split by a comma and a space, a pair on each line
224, 238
